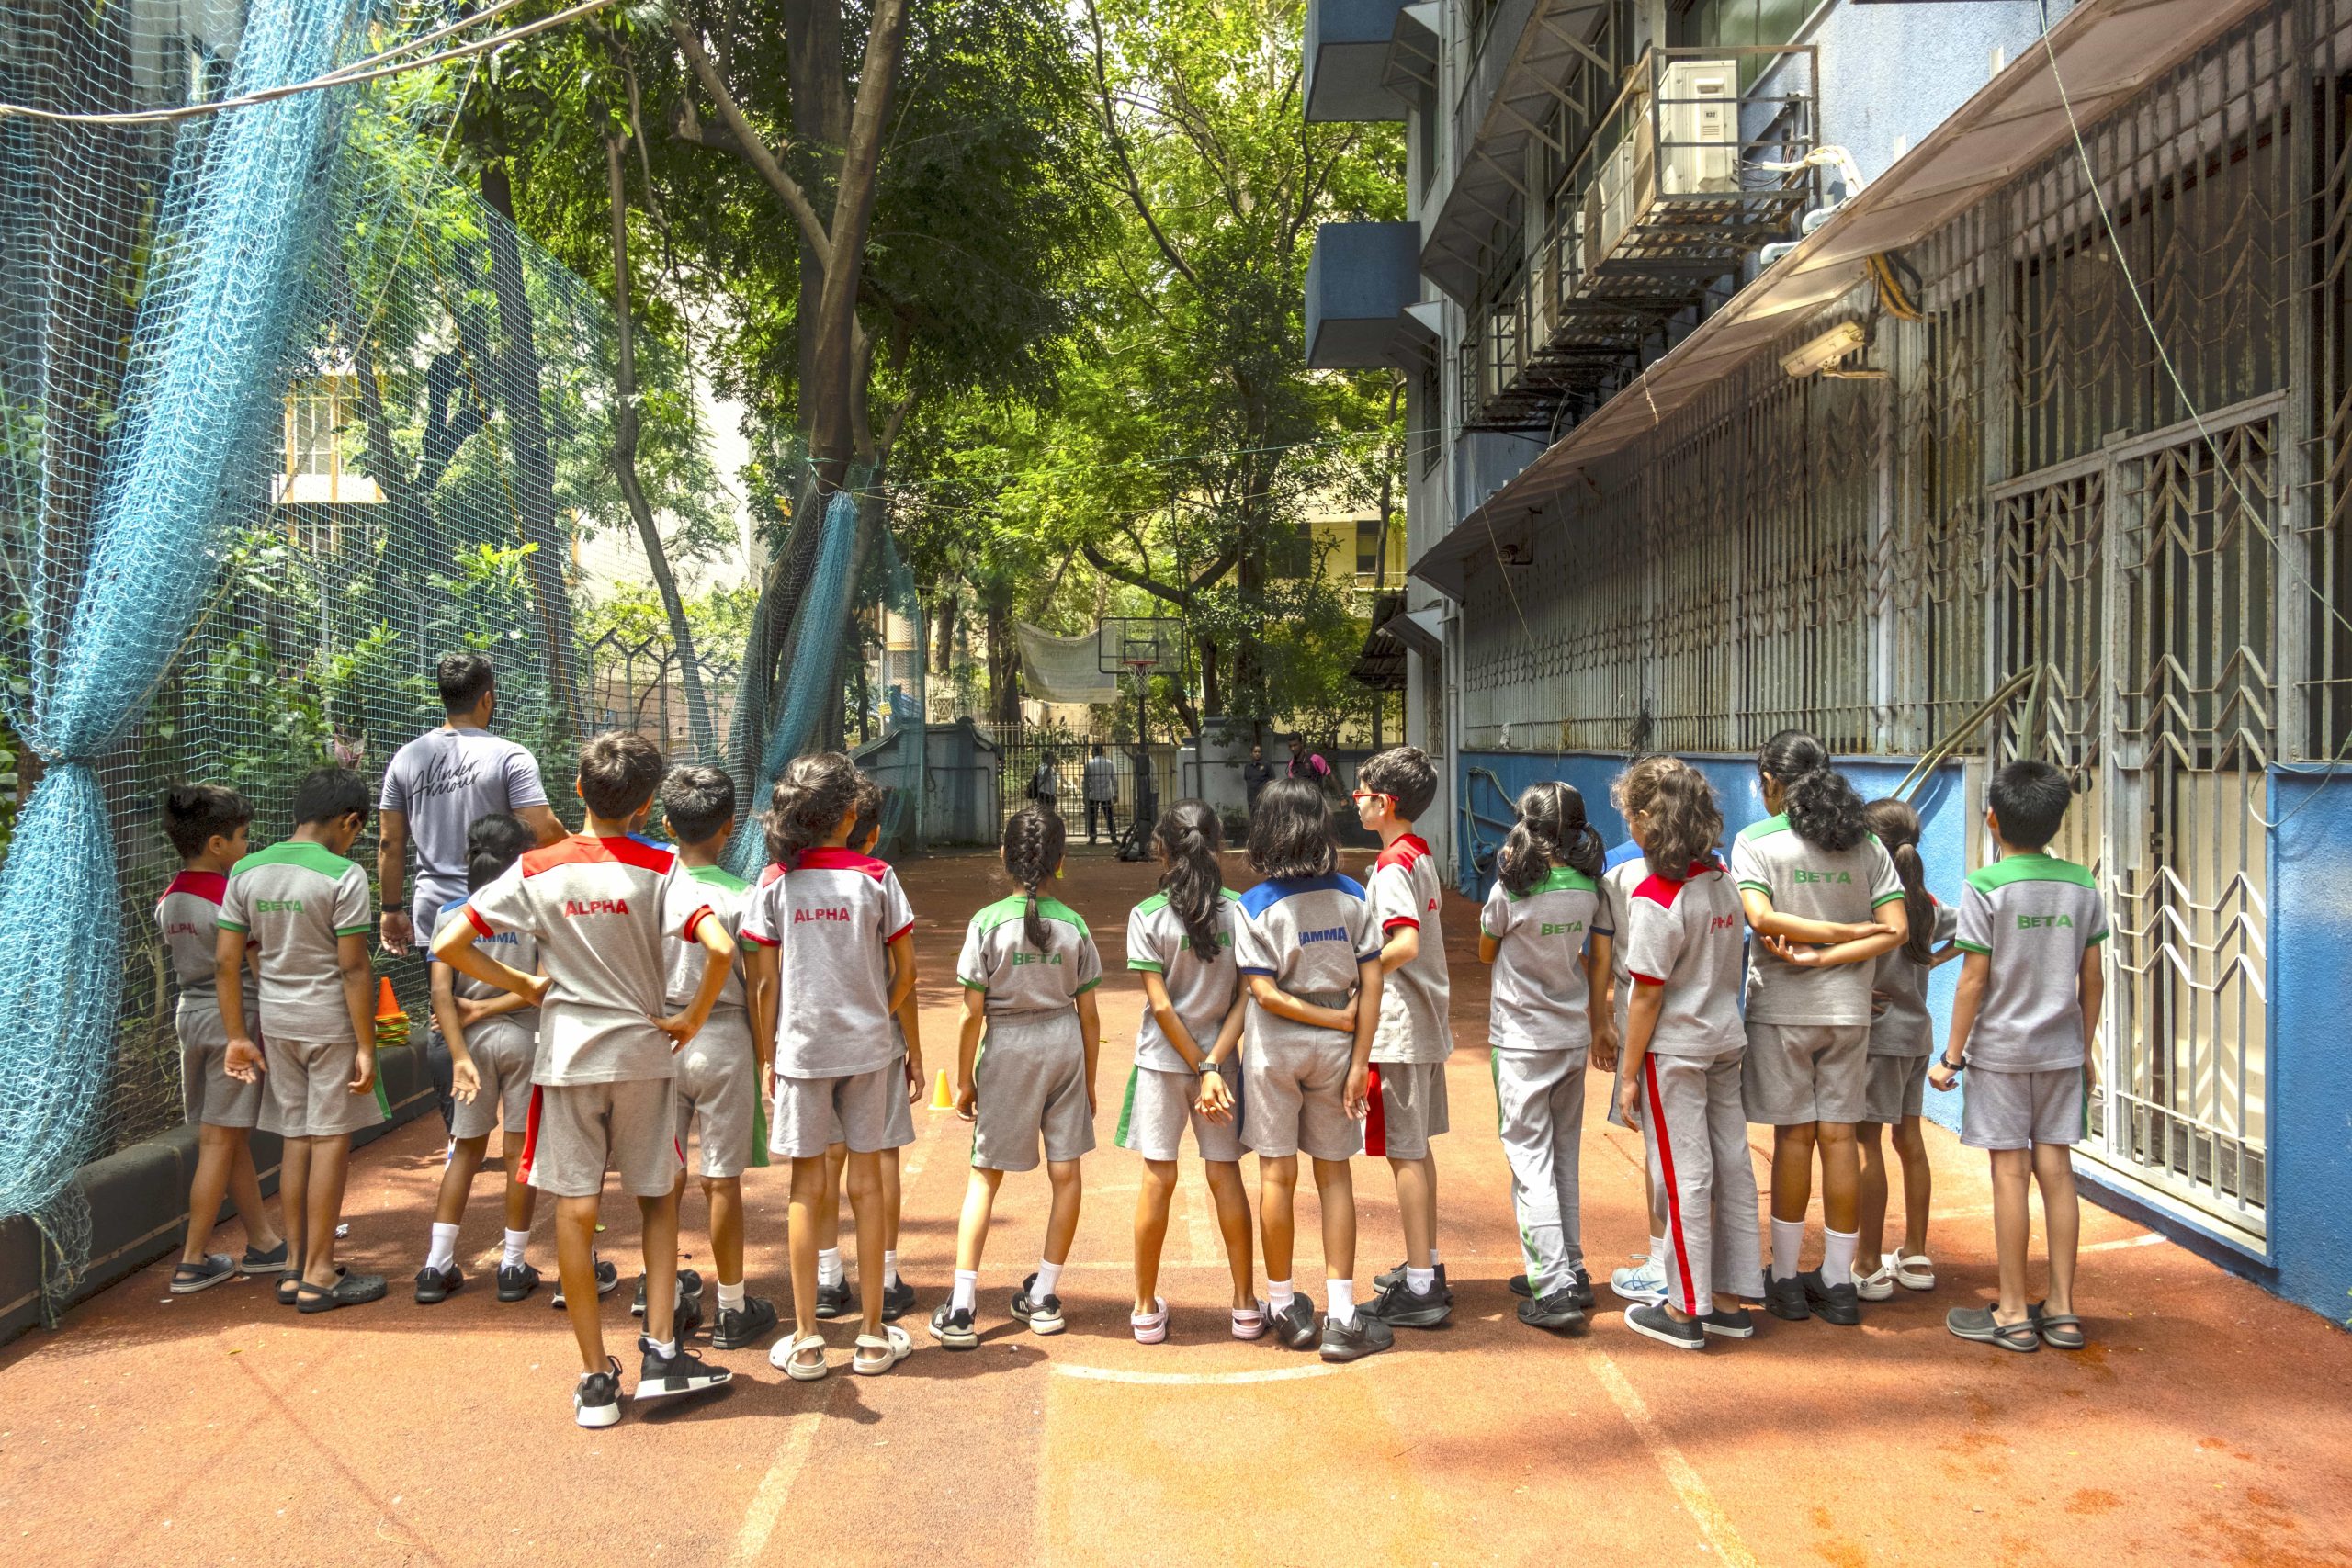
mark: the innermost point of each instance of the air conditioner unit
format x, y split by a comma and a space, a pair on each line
1699, 123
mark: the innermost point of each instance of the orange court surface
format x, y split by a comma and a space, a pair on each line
2207, 1423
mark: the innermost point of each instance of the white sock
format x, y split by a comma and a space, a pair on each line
1657, 1250
1420, 1282
1838, 1256
889, 1266
1048, 1276
515, 1242
444, 1251
1788, 1240
967, 1290
730, 1297
829, 1268
665, 1348
1279, 1295
1343, 1300
1434, 1260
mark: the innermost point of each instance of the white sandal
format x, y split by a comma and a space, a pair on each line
893, 1344
1249, 1322
1877, 1285
1150, 1328
1915, 1272
784, 1355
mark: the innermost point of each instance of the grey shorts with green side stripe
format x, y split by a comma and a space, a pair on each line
1159, 1107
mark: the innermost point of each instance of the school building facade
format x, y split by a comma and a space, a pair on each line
1952, 387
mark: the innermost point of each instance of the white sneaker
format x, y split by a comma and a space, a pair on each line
1914, 1271
1877, 1285
1644, 1283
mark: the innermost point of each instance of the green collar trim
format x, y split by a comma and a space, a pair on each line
1766, 828
296, 852
1559, 879
2034, 868
717, 876
1015, 907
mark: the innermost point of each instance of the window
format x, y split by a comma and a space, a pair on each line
1370, 537
1290, 552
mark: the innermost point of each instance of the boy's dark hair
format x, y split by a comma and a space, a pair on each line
1404, 774
326, 793
1098, 747
1290, 833
808, 803
698, 802
617, 774
1822, 809
2031, 799
1895, 826
1189, 835
1552, 830
463, 678
194, 812
493, 844
1033, 851
869, 811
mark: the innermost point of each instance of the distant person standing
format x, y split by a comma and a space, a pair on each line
1102, 791
1046, 783
1256, 773
1309, 765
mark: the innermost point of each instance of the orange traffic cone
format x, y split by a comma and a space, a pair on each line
387, 1004
942, 1097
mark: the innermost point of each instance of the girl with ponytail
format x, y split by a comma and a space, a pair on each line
1902, 1039
1544, 932
1824, 900
1028, 969
1186, 1071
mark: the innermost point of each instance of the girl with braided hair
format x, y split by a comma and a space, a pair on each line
1028, 969
1181, 942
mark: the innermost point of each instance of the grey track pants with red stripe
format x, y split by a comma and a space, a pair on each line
1697, 1133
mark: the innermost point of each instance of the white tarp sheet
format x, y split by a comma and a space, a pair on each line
1065, 669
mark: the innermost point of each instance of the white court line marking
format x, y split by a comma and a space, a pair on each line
2153, 1238
775, 1487
1696, 1499
1210, 1380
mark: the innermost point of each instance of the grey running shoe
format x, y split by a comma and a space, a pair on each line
1398, 1307
1367, 1336
1042, 1314
516, 1281
1558, 1310
435, 1286
1652, 1321
1294, 1325
1397, 1277
952, 1326
596, 1397
1644, 1282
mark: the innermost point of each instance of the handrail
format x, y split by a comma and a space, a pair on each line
1942, 751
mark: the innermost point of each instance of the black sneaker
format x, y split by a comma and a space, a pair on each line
668, 1377
435, 1286
897, 1300
1737, 1323
836, 1301
1653, 1322
1582, 1289
516, 1281
952, 1326
608, 1280
1396, 1276
1519, 1287
1367, 1336
689, 1290
259, 1262
1840, 1304
1294, 1326
1398, 1307
1558, 1310
1042, 1314
744, 1326
596, 1397
203, 1274
1784, 1299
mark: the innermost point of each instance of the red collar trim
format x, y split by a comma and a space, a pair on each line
211, 886
583, 849
834, 859
1408, 849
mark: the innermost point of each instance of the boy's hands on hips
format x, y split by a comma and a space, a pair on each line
681, 1028
363, 1070
244, 1062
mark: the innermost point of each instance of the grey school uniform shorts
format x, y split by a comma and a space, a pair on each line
1410, 1110
579, 1131
1896, 1087
502, 1059
719, 1092
213, 1099
1031, 1082
2016, 1111
307, 1090
1797, 1072
854, 1109
1161, 1104
901, 1131
1294, 1083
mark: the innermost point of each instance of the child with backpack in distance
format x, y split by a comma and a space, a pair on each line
1682, 1082
1029, 968
1311, 961
1181, 940
1823, 898
493, 1036
1902, 1039
2025, 1025
208, 825
1546, 932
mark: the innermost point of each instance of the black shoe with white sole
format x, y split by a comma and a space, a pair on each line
1352, 1341
1840, 1304
1785, 1299
670, 1377
1737, 1323
1653, 1322
836, 1301
1397, 1277
257, 1261
516, 1281
435, 1286
1295, 1326
596, 1397
897, 1300
1399, 1307
743, 1326
608, 1280
1042, 1314
952, 1326
1558, 1310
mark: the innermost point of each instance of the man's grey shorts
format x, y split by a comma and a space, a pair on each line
579, 1131
1031, 1081
307, 1090
2015, 1110
1897, 1088
502, 1059
1161, 1104
718, 1087
1410, 1109
1294, 1083
855, 1109
901, 1131
214, 1099
1797, 1073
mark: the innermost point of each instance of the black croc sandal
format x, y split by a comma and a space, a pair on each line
350, 1290
1979, 1324
2059, 1330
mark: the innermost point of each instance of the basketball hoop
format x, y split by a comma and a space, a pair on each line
1141, 647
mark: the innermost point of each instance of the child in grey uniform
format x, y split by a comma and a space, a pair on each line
1821, 898
1028, 969
1181, 940
2025, 1023
1546, 932
1623, 871
493, 1036
1683, 1049
1902, 1039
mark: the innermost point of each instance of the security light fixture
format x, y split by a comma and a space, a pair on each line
1820, 355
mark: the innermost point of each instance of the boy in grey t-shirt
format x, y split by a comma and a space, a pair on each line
2024, 1023
304, 908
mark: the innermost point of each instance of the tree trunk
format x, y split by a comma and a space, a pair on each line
943, 621
625, 436
812, 36
996, 610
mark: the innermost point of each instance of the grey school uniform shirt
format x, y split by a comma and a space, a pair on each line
441, 782
1685, 937
1018, 977
519, 951
1904, 1029
298, 900
832, 919
1308, 935
1404, 891
727, 894
2033, 914
1201, 986
1539, 1000
188, 915
1843, 885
